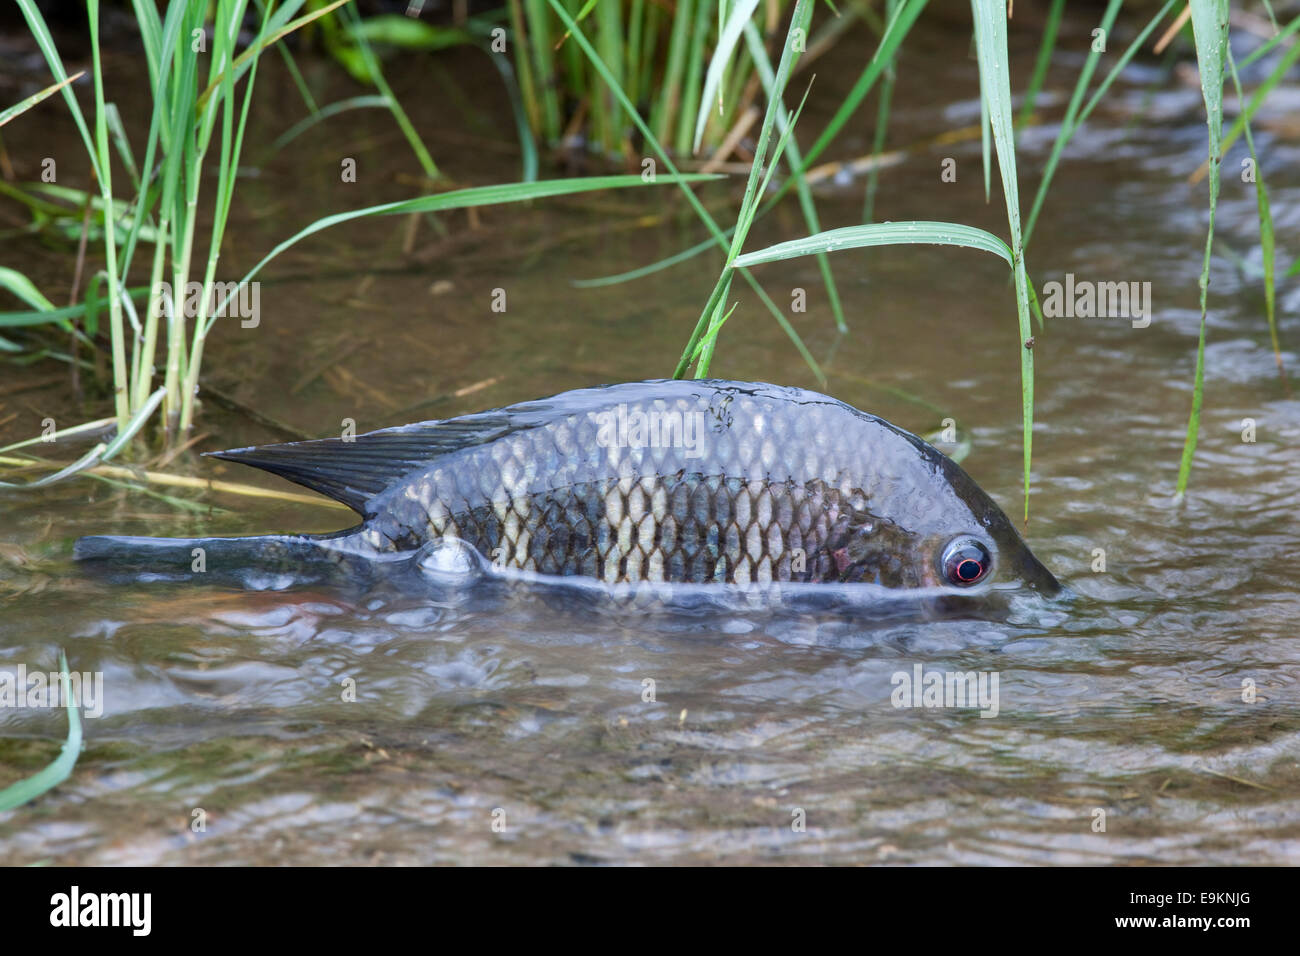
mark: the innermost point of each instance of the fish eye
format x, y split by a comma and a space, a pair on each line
965, 562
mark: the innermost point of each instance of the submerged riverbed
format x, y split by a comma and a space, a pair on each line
1155, 718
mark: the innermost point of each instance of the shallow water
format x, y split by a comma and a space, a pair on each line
528, 707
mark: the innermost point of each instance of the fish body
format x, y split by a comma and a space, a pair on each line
665, 481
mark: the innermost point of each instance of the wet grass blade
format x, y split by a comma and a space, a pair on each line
1070, 122
882, 124
102, 452
399, 114
1267, 240
276, 30
690, 102
789, 146
1261, 94
463, 198
986, 131
324, 113
1050, 30
86, 428
729, 36
1264, 50
991, 48
1210, 29
719, 238
894, 34
882, 234
51, 776
19, 108
712, 314
1122, 62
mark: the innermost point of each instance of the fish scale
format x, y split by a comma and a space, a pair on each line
717, 533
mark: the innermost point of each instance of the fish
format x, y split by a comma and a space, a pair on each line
705, 481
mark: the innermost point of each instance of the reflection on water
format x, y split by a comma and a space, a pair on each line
395, 725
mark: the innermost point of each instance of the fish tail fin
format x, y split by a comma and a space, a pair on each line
246, 559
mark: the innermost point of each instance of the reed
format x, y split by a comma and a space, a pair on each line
682, 82
199, 114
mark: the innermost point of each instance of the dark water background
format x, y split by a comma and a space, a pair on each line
1128, 700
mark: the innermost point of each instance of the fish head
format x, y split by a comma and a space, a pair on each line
974, 544
934, 527
983, 554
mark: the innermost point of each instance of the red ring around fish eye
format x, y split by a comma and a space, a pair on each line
966, 562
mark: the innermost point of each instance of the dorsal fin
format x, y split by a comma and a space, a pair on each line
355, 471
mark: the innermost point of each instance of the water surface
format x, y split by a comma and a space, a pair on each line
1165, 695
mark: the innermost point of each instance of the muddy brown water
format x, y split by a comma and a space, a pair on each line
1165, 695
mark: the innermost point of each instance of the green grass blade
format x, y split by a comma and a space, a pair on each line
882, 126
1044, 60
102, 452
1264, 50
1122, 62
641, 271
527, 145
50, 777
1210, 29
41, 33
45, 316
277, 29
23, 287
121, 381
991, 48
986, 131
19, 108
790, 146
291, 64
462, 198
399, 114
694, 201
1267, 239
690, 102
1261, 94
727, 40
894, 34
325, 112
799, 21
1070, 122
665, 108
881, 234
